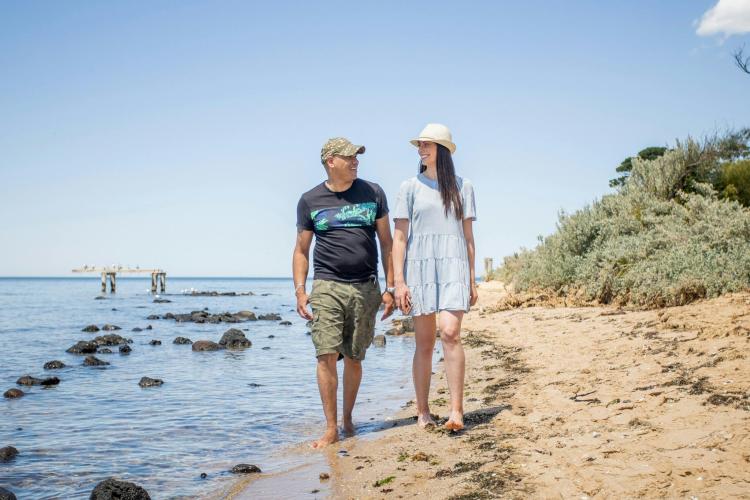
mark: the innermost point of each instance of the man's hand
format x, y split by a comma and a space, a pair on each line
302, 301
389, 303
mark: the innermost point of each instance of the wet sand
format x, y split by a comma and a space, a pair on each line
584, 402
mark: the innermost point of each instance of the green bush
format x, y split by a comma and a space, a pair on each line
734, 183
651, 244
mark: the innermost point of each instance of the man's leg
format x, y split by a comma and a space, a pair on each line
352, 378
327, 385
450, 336
424, 332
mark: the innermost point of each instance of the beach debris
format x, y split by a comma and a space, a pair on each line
324, 476
155, 342
29, 380
109, 328
54, 365
111, 489
384, 481
182, 340
13, 393
270, 317
125, 349
150, 382
286, 323
206, 345
6, 494
577, 397
8, 453
245, 469
82, 347
378, 341
90, 329
94, 361
234, 339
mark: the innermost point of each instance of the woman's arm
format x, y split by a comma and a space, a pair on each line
469, 235
403, 299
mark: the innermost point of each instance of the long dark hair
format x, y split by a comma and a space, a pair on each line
446, 176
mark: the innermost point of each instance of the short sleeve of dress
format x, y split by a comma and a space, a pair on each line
304, 221
467, 198
404, 202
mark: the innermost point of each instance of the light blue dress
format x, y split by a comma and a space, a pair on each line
437, 262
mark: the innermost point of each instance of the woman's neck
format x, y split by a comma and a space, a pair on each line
430, 172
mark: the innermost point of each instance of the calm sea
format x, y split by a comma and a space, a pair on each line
215, 409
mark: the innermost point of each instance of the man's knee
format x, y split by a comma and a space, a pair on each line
328, 360
351, 363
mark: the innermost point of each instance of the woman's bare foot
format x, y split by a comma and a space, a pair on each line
331, 436
425, 421
455, 422
347, 427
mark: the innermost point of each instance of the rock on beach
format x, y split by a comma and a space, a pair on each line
234, 339
29, 380
109, 327
182, 340
94, 361
150, 382
379, 341
8, 453
91, 328
206, 345
270, 317
245, 469
13, 393
54, 365
113, 489
6, 494
82, 347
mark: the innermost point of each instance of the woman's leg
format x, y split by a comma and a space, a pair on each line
453, 351
424, 330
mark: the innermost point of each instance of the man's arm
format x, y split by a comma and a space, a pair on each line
300, 266
383, 229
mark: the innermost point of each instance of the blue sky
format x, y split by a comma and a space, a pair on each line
180, 134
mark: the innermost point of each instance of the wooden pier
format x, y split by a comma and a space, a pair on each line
109, 273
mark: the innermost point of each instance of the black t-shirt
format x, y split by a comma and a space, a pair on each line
344, 227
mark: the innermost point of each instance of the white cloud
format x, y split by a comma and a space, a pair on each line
727, 17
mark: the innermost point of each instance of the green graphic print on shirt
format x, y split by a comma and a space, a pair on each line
357, 215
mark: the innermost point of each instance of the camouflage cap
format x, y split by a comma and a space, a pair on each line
339, 146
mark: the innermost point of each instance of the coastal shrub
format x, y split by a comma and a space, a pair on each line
651, 244
734, 183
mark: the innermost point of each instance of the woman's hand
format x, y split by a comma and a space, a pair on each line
474, 294
403, 298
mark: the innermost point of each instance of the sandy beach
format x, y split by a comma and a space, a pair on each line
566, 402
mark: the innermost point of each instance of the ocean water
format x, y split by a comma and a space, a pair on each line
215, 409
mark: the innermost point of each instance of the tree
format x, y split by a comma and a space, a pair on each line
742, 62
626, 166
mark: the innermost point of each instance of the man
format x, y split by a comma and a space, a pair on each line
344, 213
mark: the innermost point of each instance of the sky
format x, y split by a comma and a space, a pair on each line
180, 134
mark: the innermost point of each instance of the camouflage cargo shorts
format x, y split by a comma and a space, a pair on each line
344, 316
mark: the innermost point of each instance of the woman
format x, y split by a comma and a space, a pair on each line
434, 269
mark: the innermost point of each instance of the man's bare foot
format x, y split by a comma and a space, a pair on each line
455, 422
347, 427
425, 421
331, 436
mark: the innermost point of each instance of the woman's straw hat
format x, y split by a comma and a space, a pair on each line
435, 132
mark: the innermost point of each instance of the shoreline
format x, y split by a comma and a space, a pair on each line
571, 401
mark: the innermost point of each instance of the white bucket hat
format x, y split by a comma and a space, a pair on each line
437, 133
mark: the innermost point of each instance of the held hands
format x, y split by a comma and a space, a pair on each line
302, 301
403, 298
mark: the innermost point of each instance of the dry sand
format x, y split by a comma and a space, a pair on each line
585, 402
